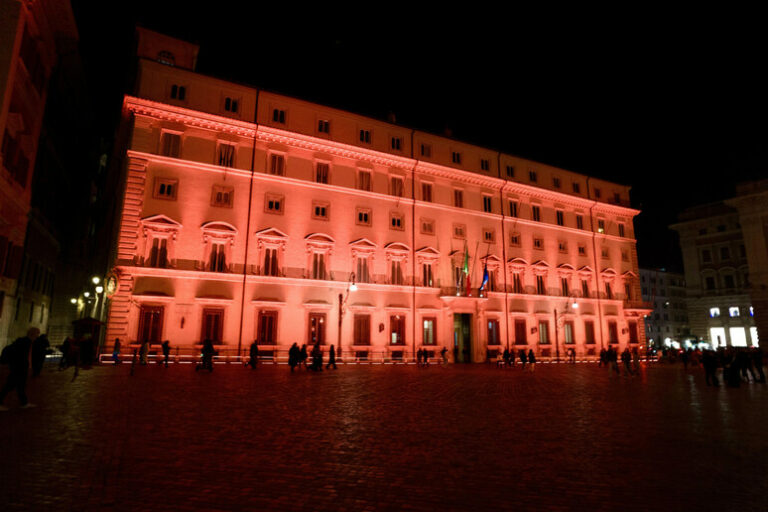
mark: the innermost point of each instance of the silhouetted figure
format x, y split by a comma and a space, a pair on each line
303, 356
331, 358
444, 355
613, 359
18, 362
253, 354
709, 360
65, 348
531, 361
425, 358
455, 354
144, 352
317, 358
523, 358
685, 357
294, 356
603, 357
418, 357
757, 362
39, 348
116, 351
166, 352
208, 352
626, 358
505, 357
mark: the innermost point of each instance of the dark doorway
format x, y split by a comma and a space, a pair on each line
462, 337
150, 324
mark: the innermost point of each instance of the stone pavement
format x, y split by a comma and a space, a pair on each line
384, 438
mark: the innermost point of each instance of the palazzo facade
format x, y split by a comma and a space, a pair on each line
250, 215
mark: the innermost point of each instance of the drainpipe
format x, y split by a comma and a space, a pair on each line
248, 222
413, 246
504, 252
594, 259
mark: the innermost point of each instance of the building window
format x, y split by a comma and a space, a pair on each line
487, 204
710, 282
231, 105
322, 170
321, 210
580, 222
536, 213
278, 116
222, 196
510, 171
714, 312
613, 332
427, 226
582, 250
459, 231
396, 272
426, 150
543, 332
276, 164
217, 262
624, 255
267, 328
362, 332
365, 136
363, 265
556, 182
158, 253
729, 281
560, 217
562, 247
397, 330
274, 203
514, 239
363, 216
428, 334
621, 230
316, 329
318, 265
458, 198
532, 176
564, 287
213, 324
170, 144
706, 256
489, 235
600, 226
178, 92
485, 165
166, 189
396, 186
426, 192
538, 243
270, 262
616, 197
627, 291
725, 253
364, 180
323, 126
584, 288
396, 221
589, 332
521, 336
494, 337
597, 193
517, 283
604, 253
608, 291
396, 143
427, 276
540, 286
576, 188
455, 157
513, 208
226, 155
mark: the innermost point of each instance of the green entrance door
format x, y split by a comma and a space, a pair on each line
462, 337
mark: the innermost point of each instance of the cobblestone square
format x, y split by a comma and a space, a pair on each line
474, 437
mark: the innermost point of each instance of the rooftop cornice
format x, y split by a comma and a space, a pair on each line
452, 173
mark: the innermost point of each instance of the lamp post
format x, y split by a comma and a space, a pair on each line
351, 287
575, 305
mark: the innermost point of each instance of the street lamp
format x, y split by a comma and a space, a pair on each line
351, 287
575, 305
95, 280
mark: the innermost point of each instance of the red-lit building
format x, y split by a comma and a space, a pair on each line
248, 215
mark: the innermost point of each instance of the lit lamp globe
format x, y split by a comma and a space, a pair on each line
73, 301
87, 294
95, 280
99, 289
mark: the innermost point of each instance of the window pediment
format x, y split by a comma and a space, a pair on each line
160, 224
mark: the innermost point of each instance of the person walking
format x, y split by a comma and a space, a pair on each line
65, 348
331, 358
208, 351
144, 352
39, 348
116, 351
253, 354
444, 355
166, 352
294, 356
531, 361
626, 358
523, 358
419, 355
303, 356
709, 361
18, 360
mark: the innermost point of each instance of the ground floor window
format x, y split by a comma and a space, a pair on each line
494, 337
521, 337
429, 331
362, 335
397, 330
150, 324
568, 331
613, 332
632, 326
267, 328
213, 324
543, 333
589, 332
316, 329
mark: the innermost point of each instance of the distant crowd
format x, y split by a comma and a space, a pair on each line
736, 364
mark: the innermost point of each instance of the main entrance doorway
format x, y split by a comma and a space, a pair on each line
462, 337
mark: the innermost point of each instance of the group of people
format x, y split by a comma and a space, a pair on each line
299, 356
508, 358
630, 359
423, 355
738, 364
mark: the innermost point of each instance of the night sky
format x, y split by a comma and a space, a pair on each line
672, 103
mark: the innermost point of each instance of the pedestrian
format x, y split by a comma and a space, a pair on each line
144, 352
65, 350
444, 354
709, 361
116, 351
636, 360
523, 358
531, 361
505, 357
303, 356
207, 354
331, 358
17, 356
626, 358
603, 358
294, 356
166, 352
39, 349
317, 358
419, 355
253, 354
455, 354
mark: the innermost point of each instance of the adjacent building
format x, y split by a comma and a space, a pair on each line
249, 215
667, 325
725, 256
